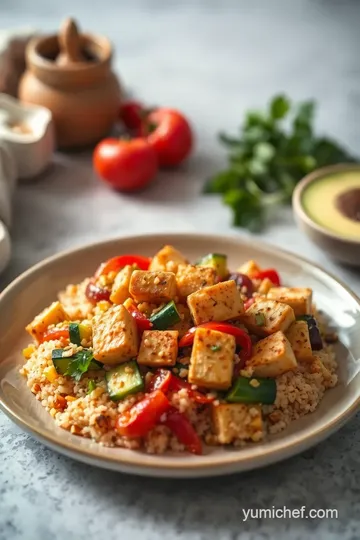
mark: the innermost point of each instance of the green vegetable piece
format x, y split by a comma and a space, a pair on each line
216, 348
166, 317
91, 386
124, 380
61, 364
216, 261
74, 333
252, 390
259, 319
279, 107
74, 366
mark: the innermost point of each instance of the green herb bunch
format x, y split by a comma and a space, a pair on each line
273, 152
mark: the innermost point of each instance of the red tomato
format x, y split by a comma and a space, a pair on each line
160, 381
269, 273
116, 263
242, 338
95, 294
127, 165
142, 322
170, 135
183, 430
143, 416
249, 303
177, 384
131, 113
55, 333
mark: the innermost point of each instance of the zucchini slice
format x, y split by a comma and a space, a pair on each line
252, 390
217, 261
124, 380
166, 317
62, 364
74, 333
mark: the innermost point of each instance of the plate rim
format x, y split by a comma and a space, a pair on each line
279, 450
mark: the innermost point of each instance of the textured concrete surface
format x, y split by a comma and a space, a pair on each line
213, 60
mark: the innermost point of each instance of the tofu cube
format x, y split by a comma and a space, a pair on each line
299, 338
53, 314
237, 421
167, 260
120, 288
250, 268
158, 348
153, 287
115, 336
265, 286
266, 317
192, 278
272, 357
212, 359
300, 299
219, 302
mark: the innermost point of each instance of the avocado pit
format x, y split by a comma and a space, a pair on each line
348, 203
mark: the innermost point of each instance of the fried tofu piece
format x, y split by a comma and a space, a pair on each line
219, 302
192, 278
266, 317
153, 287
250, 268
54, 314
272, 356
265, 286
237, 421
212, 359
115, 336
300, 299
167, 260
158, 348
120, 288
299, 338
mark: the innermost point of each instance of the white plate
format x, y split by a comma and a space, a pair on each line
36, 288
5, 247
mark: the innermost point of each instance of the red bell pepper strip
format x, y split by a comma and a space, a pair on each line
269, 273
183, 430
177, 384
116, 263
141, 320
160, 381
143, 416
95, 294
55, 333
241, 337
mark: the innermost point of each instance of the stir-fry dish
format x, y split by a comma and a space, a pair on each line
162, 354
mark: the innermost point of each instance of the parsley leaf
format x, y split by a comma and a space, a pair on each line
79, 364
91, 386
274, 150
259, 319
215, 348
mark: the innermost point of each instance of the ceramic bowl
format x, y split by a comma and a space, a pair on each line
336, 246
37, 287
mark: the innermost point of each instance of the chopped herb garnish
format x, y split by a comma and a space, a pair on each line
91, 386
259, 319
215, 348
79, 364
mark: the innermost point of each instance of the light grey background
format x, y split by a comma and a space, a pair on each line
212, 60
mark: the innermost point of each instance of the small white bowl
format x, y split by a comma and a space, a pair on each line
28, 132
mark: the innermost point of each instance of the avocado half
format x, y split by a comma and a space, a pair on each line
333, 202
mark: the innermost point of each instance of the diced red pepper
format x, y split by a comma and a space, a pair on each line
269, 273
249, 303
177, 384
55, 333
96, 294
160, 381
242, 338
116, 263
141, 320
183, 430
143, 416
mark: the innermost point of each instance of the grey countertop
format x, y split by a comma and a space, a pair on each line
212, 60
